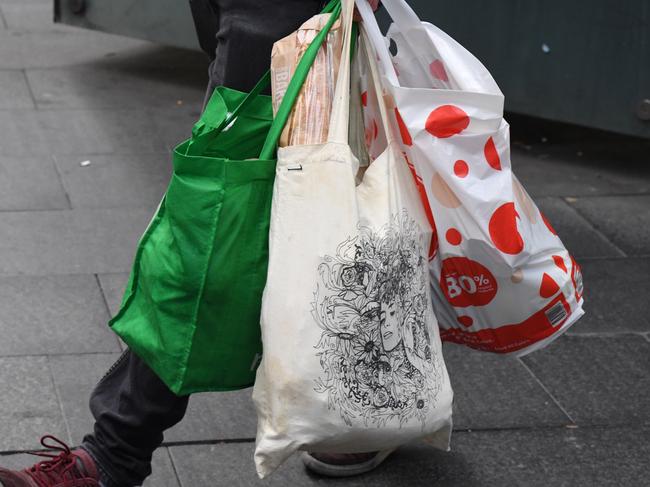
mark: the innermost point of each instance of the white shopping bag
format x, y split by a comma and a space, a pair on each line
352, 355
502, 279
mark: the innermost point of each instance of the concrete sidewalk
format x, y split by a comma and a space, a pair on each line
574, 414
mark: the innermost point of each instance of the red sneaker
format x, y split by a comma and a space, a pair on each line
70, 468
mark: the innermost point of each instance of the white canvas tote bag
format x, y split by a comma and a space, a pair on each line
502, 279
352, 356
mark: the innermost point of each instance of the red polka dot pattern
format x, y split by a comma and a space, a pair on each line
453, 236
549, 287
461, 169
466, 321
492, 155
503, 229
438, 71
559, 261
364, 98
446, 120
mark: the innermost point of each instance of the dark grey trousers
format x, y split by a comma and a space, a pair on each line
132, 407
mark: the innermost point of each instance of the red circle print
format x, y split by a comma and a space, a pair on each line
364, 98
461, 169
492, 155
406, 137
559, 261
375, 129
466, 321
503, 229
549, 287
438, 71
466, 282
453, 236
446, 120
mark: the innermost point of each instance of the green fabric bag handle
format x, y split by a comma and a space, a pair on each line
199, 143
295, 85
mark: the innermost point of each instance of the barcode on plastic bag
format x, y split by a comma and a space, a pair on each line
556, 314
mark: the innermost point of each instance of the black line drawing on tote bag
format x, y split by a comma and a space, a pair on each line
373, 305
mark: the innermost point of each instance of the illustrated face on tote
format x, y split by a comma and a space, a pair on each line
389, 326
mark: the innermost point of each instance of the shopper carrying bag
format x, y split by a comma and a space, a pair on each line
352, 356
502, 279
192, 304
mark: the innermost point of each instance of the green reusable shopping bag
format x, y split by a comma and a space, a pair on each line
192, 304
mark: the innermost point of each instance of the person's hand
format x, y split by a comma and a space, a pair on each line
373, 3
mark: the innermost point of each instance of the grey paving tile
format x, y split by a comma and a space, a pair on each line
217, 416
53, 314
558, 172
492, 391
30, 16
15, 91
163, 474
625, 220
163, 471
598, 380
46, 132
75, 376
71, 241
213, 416
30, 183
127, 87
28, 403
117, 180
616, 296
536, 458
113, 287
576, 233
174, 126
60, 47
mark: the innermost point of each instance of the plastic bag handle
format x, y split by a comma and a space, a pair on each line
295, 85
377, 40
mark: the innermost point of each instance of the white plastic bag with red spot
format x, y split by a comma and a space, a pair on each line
502, 279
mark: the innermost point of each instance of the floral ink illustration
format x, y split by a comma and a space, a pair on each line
373, 306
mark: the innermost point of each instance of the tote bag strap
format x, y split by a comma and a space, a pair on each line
199, 143
340, 117
295, 85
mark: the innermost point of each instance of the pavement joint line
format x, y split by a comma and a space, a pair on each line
29, 89
57, 393
606, 334
227, 441
593, 227
57, 355
68, 210
174, 468
64, 274
101, 291
3, 20
61, 181
606, 195
543, 386
615, 257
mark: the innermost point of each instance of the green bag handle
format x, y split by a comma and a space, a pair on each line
199, 143
295, 85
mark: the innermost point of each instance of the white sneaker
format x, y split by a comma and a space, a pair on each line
344, 464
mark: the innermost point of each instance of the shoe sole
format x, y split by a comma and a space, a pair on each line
333, 470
